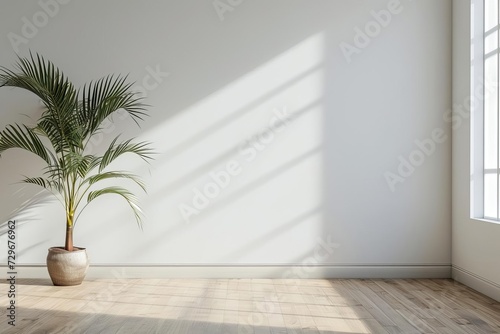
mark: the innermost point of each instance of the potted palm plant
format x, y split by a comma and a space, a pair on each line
61, 137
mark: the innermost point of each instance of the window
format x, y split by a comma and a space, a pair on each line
485, 122
490, 110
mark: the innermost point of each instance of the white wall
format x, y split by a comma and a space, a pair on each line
475, 242
321, 177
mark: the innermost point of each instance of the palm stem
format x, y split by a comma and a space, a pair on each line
68, 245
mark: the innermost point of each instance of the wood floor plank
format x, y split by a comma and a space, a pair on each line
382, 307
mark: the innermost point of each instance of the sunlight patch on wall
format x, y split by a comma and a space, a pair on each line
249, 154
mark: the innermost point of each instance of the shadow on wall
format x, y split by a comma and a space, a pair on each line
28, 211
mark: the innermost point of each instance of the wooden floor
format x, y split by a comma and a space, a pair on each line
250, 306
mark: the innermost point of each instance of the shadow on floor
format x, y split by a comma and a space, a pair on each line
31, 320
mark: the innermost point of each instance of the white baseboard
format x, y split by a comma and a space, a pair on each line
252, 271
481, 284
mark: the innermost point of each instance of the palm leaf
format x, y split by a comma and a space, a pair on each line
44, 183
41, 77
127, 195
17, 136
113, 175
87, 164
114, 151
105, 96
